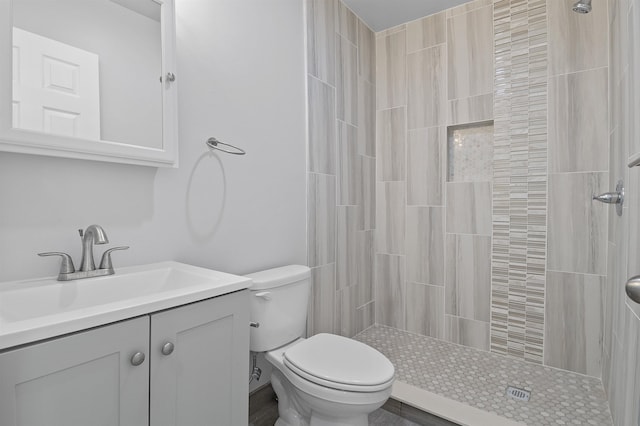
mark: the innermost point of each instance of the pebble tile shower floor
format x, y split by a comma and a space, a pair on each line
480, 379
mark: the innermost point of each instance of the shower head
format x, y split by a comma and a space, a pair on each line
582, 6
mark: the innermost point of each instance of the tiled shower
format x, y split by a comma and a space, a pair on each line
452, 161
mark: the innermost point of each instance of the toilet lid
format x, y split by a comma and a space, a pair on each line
338, 362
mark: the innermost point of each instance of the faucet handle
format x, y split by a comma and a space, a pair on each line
105, 262
66, 266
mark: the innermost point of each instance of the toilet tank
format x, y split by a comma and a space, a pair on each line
279, 300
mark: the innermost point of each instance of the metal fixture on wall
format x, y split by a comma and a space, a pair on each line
616, 197
632, 287
582, 6
213, 144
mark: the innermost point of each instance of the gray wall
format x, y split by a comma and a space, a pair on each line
238, 80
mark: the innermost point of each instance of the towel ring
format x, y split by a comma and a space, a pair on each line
213, 144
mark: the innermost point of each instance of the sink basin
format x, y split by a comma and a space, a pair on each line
38, 309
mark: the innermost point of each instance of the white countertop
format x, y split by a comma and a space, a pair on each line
34, 310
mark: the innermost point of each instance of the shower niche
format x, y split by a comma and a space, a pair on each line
470, 152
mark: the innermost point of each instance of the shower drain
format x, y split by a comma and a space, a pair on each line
518, 394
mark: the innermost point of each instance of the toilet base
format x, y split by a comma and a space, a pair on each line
297, 408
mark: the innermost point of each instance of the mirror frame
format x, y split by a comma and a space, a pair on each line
31, 142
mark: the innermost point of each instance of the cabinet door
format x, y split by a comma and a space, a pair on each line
204, 381
81, 379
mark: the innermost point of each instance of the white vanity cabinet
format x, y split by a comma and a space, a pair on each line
193, 373
82, 379
204, 381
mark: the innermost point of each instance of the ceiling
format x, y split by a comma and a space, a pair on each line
383, 14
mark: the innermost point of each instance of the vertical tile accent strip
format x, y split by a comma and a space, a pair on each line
518, 259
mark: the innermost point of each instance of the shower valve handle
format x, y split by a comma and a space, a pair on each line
616, 197
609, 198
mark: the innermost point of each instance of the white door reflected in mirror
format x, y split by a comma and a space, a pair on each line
56, 87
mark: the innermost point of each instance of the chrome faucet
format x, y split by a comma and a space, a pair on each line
94, 234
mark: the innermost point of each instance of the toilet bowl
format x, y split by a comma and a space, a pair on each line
320, 381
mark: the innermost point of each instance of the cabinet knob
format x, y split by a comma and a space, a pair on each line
167, 348
137, 358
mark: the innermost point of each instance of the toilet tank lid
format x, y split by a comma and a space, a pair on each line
277, 277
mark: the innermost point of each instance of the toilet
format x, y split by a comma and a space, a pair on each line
320, 381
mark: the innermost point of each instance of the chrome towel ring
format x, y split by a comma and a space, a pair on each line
214, 143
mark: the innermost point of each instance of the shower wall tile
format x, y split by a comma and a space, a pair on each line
634, 70
617, 170
391, 137
390, 291
466, 332
322, 127
469, 208
346, 312
368, 191
349, 165
391, 69
577, 238
366, 262
468, 7
346, 23
390, 217
427, 32
623, 264
576, 42
609, 294
573, 324
341, 162
468, 276
578, 122
632, 229
366, 118
391, 31
354, 255
426, 76
346, 81
366, 53
366, 316
425, 310
321, 206
347, 255
321, 302
631, 349
470, 53
321, 33
425, 245
426, 156
470, 110
618, 42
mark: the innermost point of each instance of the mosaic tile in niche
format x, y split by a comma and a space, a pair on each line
470, 153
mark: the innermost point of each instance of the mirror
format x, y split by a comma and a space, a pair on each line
89, 79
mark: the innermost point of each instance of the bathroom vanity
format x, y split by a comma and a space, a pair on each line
172, 351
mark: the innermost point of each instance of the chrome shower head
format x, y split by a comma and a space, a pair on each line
582, 6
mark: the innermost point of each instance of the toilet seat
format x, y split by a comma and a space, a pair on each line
339, 363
